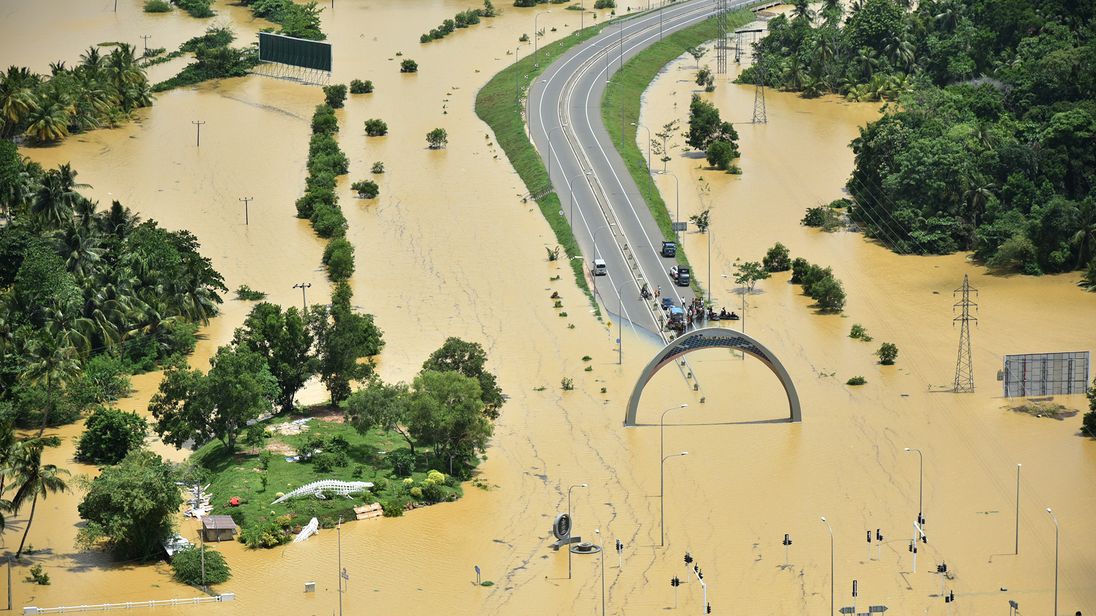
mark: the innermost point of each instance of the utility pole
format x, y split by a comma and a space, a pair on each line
723, 41
145, 38
198, 138
247, 201
342, 572
304, 300
1018, 509
964, 369
201, 533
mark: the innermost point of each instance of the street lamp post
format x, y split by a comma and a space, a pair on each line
662, 495
536, 37
601, 546
571, 190
920, 486
640, 125
829, 528
577, 485
662, 428
1018, 509
1055, 518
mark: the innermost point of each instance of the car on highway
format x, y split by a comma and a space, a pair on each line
680, 275
599, 268
669, 249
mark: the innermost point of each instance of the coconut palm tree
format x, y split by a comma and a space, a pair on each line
1085, 237
900, 51
32, 480
17, 98
81, 248
867, 60
91, 60
49, 120
53, 363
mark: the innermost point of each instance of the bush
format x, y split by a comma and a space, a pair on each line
605, 4
829, 294
247, 294
263, 535
720, 154
335, 95
393, 507
366, 189
109, 435
777, 259
325, 462
196, 8
402, 461
437, 139
1017, 253
357, 86
567, 384
823, 217
339, 258
888, 352
799, 269
324, 120
859, 333
376, 128
187, 566
378, 167
409, 66
157, 6
328, 221
856, 380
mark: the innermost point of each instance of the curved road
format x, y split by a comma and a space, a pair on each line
608, 215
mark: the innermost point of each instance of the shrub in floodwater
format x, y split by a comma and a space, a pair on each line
777, 259
437, 139
366, 189
196, 8
247, 294
335, 95
328, 221
859, 333
38, 576
605, 4
357, 86
378, 167
888, 352
187, 566
409, 66
567, 384
375, 127
157, 6
856, 380
338, 256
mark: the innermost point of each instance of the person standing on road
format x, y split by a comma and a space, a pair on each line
658, 292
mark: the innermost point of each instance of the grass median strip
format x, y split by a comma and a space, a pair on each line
498, 105
621, 105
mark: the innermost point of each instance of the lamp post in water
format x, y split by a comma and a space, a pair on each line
662, 496
1055, 518
829, 528
920, 486
601, 549
577, 485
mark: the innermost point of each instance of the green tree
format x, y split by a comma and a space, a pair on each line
375, 127
445, 411
409, 66
335, 95
469, 359
721, 155
187, 566
697, 52
379, 406
704, 123
31, 479
877, 22
344, 337
888, 352
748, 274
437, 139
285, 341
109, 435
1088, 422
777, 259
130, 508
828, 292
193, 406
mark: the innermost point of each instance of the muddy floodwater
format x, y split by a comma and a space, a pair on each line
449, 250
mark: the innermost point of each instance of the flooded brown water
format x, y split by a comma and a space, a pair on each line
449, 249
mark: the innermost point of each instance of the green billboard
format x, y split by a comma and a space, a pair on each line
281, 49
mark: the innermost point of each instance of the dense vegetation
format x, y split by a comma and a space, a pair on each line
990, 146
462, 19
87, 296
299, 20
214, 58
102, 90
819, 284
709, 133
320, 203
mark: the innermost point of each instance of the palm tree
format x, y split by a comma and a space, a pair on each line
53, 363
867, 60
1085, 237
802, 10
901, 51
32, 480
49, 120
17, 98
92, 60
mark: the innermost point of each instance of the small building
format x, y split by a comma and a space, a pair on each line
218, 528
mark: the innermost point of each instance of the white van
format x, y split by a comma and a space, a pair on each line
599, 268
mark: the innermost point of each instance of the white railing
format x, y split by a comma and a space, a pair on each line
129, 605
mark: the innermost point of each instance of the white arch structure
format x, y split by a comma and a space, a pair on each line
709, 338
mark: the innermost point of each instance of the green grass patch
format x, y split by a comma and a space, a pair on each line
499, 106
368, 457
623, 96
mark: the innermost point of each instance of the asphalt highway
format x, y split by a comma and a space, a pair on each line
607, 212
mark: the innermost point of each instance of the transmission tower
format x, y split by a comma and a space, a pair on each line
724, 40
759, 116
964, 369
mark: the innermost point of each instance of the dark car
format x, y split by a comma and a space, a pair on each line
669, 249
680, 274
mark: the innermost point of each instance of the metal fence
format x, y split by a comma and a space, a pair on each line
281, 49
129, 605
1046, 374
